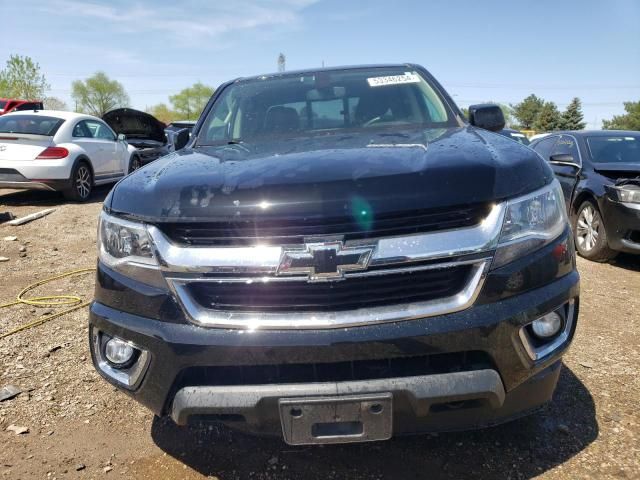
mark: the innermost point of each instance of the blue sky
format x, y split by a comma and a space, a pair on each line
480, 50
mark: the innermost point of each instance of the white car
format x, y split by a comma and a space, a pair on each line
62, 151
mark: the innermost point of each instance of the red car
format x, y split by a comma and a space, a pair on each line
12, 105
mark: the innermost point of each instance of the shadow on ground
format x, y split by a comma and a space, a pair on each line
627, 261
520, 449
24, 198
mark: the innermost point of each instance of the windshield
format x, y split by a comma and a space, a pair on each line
615, 148
326, 101
3, 103
30, 124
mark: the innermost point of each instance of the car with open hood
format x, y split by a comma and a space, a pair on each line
600, 175
142, 130
336, 255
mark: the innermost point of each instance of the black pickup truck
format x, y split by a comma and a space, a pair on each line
335, 256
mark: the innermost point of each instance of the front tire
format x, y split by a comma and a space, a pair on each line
590, 234
81, 183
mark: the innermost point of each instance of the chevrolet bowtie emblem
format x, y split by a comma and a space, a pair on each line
323, 262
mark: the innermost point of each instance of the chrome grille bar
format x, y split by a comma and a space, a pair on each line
389, 251
324, 320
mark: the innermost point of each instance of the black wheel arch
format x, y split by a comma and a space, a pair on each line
84, 159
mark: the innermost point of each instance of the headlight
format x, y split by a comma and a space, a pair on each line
629, 193
126, 247
530, 222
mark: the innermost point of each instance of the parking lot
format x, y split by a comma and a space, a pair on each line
80, 427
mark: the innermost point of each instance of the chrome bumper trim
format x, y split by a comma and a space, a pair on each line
338, 319
129, 378
539, 353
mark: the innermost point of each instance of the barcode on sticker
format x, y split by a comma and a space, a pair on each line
393, 80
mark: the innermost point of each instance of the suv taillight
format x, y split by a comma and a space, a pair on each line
53, 153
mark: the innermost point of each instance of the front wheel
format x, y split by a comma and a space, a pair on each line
590, 234
81, 183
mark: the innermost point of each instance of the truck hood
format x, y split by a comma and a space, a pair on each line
136, 125
331, 175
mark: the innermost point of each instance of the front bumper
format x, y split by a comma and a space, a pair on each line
189, 367
622, 221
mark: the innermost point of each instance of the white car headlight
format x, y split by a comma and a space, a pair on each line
126, 247
530, 222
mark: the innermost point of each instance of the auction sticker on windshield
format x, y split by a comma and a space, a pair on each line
393, 80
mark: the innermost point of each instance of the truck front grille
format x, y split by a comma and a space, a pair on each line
352, 293
281, 231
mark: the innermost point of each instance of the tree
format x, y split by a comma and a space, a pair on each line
572, 118
527, 111
548, 118
629, 121
162, 112
21, 78
98, 94
507, 111
53, 103
189, 102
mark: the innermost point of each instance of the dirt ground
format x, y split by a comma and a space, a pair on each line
81, 427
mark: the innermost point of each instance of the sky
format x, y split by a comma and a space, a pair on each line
491, 50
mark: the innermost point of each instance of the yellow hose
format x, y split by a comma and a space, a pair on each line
48, 301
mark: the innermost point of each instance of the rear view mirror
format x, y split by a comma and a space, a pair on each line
122, 137
486, 116
180, 138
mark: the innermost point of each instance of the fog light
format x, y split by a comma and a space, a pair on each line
547, 326
118, 352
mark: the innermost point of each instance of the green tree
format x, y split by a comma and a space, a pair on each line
526, 112
189, 102
22, 78
98, 94
548, 118
572, 118
162, 112
53, 103
628, 121
507, 111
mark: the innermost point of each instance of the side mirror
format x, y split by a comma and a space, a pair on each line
122, 137
180, 138
486, 116
563, 159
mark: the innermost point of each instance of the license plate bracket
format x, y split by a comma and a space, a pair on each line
336, 419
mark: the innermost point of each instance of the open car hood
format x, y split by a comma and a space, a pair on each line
136, 125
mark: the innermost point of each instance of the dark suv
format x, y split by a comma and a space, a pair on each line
337, 256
